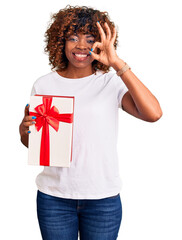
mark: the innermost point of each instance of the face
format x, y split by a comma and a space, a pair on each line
77, 49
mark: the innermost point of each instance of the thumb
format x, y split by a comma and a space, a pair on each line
94, 55
27, 110
95, 47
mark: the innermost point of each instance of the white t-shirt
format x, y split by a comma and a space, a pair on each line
94, 170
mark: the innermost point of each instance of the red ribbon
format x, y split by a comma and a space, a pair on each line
48, 116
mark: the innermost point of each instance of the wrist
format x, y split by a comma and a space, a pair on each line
118, 64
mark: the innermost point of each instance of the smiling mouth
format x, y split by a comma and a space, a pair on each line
80, 57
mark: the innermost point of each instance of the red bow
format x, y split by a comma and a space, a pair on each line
48, 116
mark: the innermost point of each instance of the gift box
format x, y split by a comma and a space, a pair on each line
51, 137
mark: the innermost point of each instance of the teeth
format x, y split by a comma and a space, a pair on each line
80, 55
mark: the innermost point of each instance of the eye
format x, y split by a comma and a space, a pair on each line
73, 39
91, 41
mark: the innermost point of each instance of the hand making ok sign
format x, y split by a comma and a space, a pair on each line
108, 54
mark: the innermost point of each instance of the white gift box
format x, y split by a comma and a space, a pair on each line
51, 137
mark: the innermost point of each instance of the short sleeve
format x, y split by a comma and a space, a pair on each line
121, 89
33, 91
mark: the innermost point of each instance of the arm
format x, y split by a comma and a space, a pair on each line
24, 126
23, 136
138, 101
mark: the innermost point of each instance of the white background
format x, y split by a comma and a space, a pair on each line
149, 153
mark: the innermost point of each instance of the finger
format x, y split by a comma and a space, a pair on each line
26, 112
101, 31
114, 35
27, 131
97, 45
108, 31
94, 46
29, 118
27, 124
94, 55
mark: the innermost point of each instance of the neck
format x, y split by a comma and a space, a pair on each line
73, 72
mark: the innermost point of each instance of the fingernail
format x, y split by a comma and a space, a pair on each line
27, 105
29, 131
98, 21
91, 49
90, 52
34, 117
33, 122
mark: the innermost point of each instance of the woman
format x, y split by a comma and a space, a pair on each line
81, 43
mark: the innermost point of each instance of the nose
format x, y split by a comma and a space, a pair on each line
81, 44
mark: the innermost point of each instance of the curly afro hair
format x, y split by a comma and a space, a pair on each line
69, 21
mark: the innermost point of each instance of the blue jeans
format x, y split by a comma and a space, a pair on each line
94, 219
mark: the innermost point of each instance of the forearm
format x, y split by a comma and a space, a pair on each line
145, 102
23, 138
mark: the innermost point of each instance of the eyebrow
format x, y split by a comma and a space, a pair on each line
89, 36
86, 36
